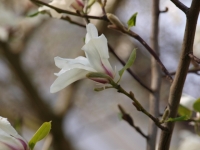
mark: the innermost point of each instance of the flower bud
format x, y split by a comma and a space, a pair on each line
78, 5
9, 138
114, 20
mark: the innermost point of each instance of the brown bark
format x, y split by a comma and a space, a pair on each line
178, 83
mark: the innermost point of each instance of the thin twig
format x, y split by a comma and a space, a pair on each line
150, 50
130, 121
72, 22
180, 5
138, 106
103, 7
164, 11
71, 13
193, 70
197, 60
129, 70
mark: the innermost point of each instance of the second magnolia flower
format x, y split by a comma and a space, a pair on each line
96, 60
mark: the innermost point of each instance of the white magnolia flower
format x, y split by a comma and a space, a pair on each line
62, 4
187, 101
96, 60
9, 138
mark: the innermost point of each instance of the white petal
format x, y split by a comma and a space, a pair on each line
9, 135
96, 51
7, 128
187, 101
62, 62
91, 32
67, 78
43, 8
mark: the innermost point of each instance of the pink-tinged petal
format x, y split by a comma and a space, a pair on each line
67, 78
77, 5
100, 80
5, 146
6, 127
96, 51
91, 32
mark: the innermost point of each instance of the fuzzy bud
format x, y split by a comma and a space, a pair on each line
115, 21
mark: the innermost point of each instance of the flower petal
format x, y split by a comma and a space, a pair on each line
7, 128
91, 32
63, 62
187, 101
9, 137
67, 78
96, 51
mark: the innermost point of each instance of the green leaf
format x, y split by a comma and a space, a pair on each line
132, 21
129, 63
183, 111
41, 133
34, 14
181, 118
196, 105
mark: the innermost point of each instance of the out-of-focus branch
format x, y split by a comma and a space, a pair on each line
193, 70
126, 117
164, 11
197, 60
181, 73
180, 5
150, 50
71, 13
155, 77
72, 22
42, 110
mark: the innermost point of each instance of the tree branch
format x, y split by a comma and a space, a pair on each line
181, 6
177, 85
129, 70
197, 60
42, 110
150, 50
138, 106
193, 70
71, 13
155, 77
130, 121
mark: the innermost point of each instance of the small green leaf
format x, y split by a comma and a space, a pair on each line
183, 111
181, 118
34, 14
129, 62
41, 133
132, 21
196, 105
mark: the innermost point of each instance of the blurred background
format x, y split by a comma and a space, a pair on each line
81, 118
